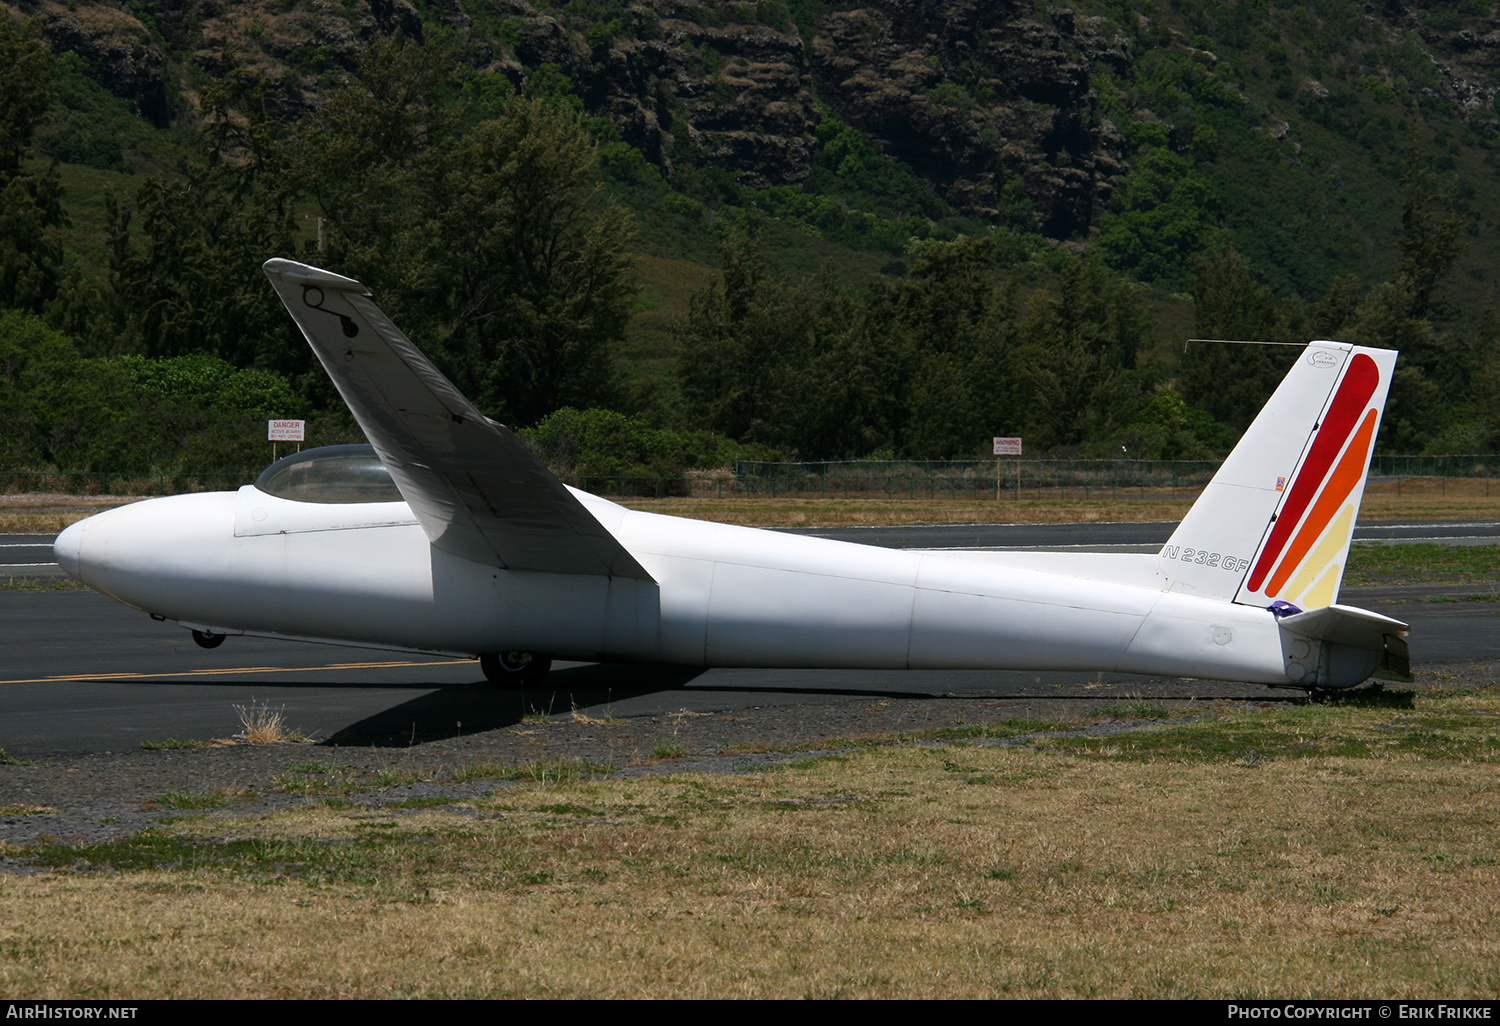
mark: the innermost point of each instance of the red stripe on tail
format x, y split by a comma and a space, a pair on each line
1353, 395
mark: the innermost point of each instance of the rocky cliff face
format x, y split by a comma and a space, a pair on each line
971, 95
115, 46
974, 94
989, 100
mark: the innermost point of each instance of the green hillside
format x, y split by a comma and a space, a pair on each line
819, 229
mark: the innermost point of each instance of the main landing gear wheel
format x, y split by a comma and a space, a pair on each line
206, 640
515, 669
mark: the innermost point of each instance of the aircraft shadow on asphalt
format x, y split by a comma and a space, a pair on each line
453, 711
459, 710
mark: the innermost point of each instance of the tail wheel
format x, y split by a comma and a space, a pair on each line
515, 669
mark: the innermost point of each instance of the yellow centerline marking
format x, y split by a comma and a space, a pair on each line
238, 669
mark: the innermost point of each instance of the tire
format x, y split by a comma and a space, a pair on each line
206, 640
515, 669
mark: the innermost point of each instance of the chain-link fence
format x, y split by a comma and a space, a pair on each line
89, 483
978, 479
870, 479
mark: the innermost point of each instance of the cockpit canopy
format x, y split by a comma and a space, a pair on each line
330, 473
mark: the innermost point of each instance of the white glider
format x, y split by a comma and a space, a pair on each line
451, 537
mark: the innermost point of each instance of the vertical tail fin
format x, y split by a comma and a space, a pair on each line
1276, 521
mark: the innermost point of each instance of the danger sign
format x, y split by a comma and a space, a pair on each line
286, 430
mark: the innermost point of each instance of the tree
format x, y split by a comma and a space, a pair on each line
194, 283
535, 281
486, 235
785, 365
1430, 230
1231, 382
30, 204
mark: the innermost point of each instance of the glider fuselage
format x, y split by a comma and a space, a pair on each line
365, 573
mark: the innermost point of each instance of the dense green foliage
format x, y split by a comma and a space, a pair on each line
1290, 173
606, 444
129, 413
932, 364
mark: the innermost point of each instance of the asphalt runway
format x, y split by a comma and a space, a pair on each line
81, 673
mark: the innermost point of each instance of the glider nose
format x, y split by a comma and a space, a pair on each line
67, 550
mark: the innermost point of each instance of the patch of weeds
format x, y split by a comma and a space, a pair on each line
538, 715
27, 810
1377, 696
482, 771
1438, 694
545, 771
1001, 873
198, 799
262, 725
312, 766
541, 771
340, 804
399, 778
6, 759
569, 809
668, 750
421, 803
42, 584
314, 778
171, 743
609, 719
807, 764
144, 851
1135, 709
999, 730
1329, 895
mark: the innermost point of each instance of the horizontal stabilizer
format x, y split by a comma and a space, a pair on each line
477, 491
1346, 625
1354, 628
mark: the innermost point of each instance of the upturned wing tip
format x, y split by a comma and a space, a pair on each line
305, 274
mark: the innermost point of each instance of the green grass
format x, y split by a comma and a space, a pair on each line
1350, 728
198, 799
1225, 842
310, 777
420, 803
540, 771
1422, 563
999, 730
1134, 709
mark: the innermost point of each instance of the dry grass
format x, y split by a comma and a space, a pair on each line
1255, 859
48, 513
262, 725
1410, 498
1418, 499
